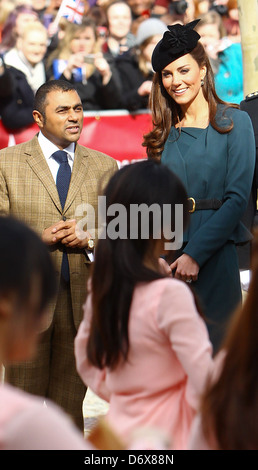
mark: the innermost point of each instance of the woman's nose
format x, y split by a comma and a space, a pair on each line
176, 79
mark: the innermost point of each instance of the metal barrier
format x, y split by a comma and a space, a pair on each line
116, 133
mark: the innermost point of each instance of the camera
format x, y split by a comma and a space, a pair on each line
89, 58
221, 9
178, 7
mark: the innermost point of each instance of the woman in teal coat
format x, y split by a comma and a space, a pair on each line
209, 144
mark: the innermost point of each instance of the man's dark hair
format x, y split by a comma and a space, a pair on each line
42, 92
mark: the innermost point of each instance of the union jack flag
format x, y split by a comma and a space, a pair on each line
72, 10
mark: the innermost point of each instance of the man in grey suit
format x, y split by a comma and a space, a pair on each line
44, 182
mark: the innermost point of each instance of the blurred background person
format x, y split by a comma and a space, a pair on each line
119, 23
228, 10
134, 67
27, 285
229, 409
79, 60
52, 9
175, 11
28, 54
225, 57
6, 7
141, 10
55, 23
21, 73
98, 15
40, 7
231, 22
14, 25
201, 7
220, 6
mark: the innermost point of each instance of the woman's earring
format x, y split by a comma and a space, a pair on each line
202, 82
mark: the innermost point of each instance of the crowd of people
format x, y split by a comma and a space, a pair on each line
144, 307
107, 55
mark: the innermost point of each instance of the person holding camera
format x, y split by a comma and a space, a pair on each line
79, 60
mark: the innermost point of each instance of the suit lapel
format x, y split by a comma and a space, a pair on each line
38, 164
79, 175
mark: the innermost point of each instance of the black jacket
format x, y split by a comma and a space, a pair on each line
94, 95
16, 99
131, 78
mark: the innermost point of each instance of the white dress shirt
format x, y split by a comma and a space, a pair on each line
48, 148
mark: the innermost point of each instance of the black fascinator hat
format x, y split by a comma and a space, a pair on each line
176, 42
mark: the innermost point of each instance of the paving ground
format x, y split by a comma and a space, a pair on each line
93, 407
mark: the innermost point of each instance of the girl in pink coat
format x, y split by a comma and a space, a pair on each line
142, 344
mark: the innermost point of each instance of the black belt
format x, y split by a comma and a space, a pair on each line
203, 204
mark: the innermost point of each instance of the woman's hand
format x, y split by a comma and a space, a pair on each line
164, 267
145, 88
75, 61
186, 268
103, 67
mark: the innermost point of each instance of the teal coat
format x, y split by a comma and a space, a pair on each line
220, 166
229, 83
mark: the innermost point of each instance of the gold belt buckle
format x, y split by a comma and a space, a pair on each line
193, 204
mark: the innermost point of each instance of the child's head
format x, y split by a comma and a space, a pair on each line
140, 213
145, 195
27, 284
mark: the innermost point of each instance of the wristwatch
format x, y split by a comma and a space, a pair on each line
90, 244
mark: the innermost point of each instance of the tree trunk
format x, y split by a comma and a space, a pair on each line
248, 20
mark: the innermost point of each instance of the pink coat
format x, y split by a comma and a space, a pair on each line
26, 423
197, 440
169, 358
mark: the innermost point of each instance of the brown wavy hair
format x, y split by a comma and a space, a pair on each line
166, 112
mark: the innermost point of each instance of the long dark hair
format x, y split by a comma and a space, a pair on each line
24, 258
230, 404
166, 112
119, 263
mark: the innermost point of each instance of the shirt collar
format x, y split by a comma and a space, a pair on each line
48, 148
